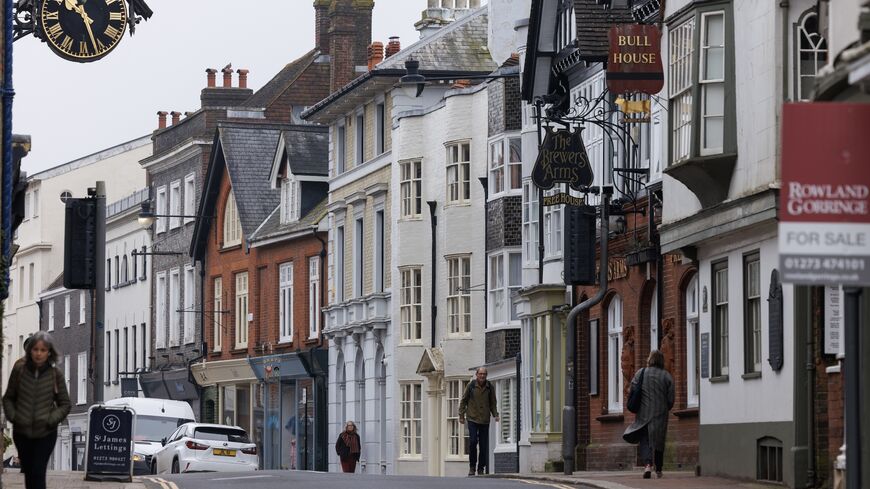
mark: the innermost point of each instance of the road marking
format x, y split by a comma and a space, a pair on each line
243, 477
542, 483
159, 481
167, 484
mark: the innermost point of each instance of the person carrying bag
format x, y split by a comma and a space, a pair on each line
651, 396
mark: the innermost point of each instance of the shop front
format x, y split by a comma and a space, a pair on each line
292, 409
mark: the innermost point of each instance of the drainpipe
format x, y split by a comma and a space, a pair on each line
538, 104
434, 220
483, 181
569, 419
810, 396
784, 6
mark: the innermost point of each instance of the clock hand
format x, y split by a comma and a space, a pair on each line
80, 9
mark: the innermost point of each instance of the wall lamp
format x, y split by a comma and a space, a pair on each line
413, 82
147, 215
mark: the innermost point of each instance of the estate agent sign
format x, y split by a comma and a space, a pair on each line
824, 228
563, 159
109, 451
634, 62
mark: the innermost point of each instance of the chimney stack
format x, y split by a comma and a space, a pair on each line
243, 77
350, 33
376, 54
394, 46
321, 25
228, 76
176, 117
161, 119
211, 72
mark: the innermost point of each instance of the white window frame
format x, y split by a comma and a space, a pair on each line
175, 204
411, 189
34, 206
496, 168
720, 329
458, 172
459, 295
693, 354
51, 314
814, 46
707, 84
553, 228
189, 197
82, 306
500, 287
290, 196
82, 394
174, 306
654, 319
189, 314
615, 381
217, 318
285, 302
340, 149
232, 224
567, 26
457, 438
506, 390
379, 260
752, 321
339, 263
681, 42
380, 127
531, 221
501, 176
160, 222
313, 297
359, 138
411, 304
358, 256
66, 371
160, 315
411, 420
241, 309
67, 303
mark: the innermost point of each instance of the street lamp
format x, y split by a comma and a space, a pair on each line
147, 215
413, 82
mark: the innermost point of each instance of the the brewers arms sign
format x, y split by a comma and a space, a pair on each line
634, 62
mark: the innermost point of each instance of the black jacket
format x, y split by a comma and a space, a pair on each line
343, 450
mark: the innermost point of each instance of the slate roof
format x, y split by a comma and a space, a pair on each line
272, 227
57, 283
307, 151
459, 46
593, 22
281, 81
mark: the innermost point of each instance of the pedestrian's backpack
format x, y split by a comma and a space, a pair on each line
635, 395
468, 389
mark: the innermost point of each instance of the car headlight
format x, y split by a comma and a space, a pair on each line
138, 458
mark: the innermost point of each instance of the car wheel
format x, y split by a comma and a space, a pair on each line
175, 468
154, 467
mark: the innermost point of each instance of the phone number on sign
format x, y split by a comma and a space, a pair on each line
829, 264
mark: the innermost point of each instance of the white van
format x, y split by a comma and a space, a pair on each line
156, 419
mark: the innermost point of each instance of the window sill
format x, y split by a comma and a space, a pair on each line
460, 337
751, 375
242, 349
411, 219
410, 343
411, 458
234, 247
720, 379
691, 412
312, 341
610, 418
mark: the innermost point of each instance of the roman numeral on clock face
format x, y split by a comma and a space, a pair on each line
112, 32
66, 44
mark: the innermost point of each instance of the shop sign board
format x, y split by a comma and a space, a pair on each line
634, 62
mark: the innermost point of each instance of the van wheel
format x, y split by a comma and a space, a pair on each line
175, 468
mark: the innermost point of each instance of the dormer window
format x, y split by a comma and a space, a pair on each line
232, 224
289, 201
566, 30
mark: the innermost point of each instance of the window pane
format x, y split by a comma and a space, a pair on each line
515, 273
715, 34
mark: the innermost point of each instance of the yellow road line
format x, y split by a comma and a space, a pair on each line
167, 484
544, 483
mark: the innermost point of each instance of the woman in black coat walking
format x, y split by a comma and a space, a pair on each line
650, 427
348, 447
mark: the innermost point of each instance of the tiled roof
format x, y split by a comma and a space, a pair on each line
280, 82
593, 22
273, 228
459, 46
57, 283
307, 151
249, 150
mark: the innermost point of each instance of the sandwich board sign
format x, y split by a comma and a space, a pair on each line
109, 448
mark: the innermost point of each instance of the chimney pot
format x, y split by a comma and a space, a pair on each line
161, 119
394, 46
211, 77
243, 77
376, 54
228, 77
176, 117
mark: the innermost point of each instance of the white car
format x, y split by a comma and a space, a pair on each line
201, 447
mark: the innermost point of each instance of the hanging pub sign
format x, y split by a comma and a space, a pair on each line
562, 159
634, 62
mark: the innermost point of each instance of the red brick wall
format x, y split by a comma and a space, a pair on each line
601, 446
262, 267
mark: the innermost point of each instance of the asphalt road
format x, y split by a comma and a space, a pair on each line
285, 478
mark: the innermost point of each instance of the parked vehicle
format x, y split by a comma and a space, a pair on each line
200, 447
156, 419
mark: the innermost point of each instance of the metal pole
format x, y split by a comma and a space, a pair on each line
518, 414
100, 291
569, 418
853, 385
434, 308
540, 206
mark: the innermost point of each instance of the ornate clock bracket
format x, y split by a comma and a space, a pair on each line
24, 13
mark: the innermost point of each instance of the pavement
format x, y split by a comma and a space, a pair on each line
634, 480
13, 479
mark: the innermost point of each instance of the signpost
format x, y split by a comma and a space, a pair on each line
109, 449
562, 158
634, 62
824, 229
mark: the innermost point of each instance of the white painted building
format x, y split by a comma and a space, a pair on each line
128, 296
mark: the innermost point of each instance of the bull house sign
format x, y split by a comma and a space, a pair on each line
634, 62
563, 159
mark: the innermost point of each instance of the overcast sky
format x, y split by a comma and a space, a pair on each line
75, 109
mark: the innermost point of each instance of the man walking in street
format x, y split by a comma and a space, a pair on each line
478, 403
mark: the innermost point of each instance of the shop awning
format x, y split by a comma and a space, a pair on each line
169, 384
290, 365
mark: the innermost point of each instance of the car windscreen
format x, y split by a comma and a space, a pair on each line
214, 433
156, 428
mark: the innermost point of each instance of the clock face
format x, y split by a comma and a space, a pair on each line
83, 30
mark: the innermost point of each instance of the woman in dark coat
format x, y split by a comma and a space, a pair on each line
36, 401
348, 447
650, 427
